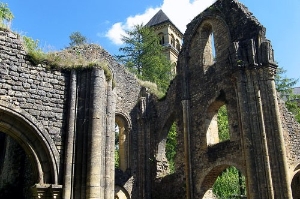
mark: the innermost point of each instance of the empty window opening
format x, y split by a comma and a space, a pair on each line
117, 146
161, 38
171, 145
217, 124
213, 48
230, 184
223, 127
177, 45
208, 41
121, 147
172, 40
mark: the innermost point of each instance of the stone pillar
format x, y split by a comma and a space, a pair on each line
275, 140
259, 184
187, 153
95, 155
69, 150
83, 120
141, 147
110, 143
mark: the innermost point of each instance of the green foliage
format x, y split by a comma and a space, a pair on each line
230, 184
117, 155
77, 39
284, 86
5, 15
33, 50
171, 144
223, 127
292, 104
142, 55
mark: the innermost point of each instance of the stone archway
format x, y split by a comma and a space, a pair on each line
123, 127
295, 185
37, 144
236, 184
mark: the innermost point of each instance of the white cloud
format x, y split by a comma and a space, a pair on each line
115, 33
180, 12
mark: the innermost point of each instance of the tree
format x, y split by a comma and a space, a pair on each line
5, 14
142, 55
285, 86
223, 128
171, 144
230, 184
77, 39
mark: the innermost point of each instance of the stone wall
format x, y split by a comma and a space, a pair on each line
292, 136
35, 89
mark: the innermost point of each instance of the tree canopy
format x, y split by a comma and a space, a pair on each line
76, 39
143, 55
5, 14
284, 86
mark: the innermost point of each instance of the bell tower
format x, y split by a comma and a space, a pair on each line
170, 36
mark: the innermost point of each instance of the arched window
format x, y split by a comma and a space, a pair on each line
177, 45
161, 38
171, 144
231, 183
217, 125
121, 143
208, 41
172, 40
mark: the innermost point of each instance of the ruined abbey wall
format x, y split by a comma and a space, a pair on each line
64, 119
33, 89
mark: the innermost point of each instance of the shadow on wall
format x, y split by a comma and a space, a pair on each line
15, 170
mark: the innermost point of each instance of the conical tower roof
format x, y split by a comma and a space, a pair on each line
158, 18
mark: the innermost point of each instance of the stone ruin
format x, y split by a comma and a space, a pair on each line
58, 125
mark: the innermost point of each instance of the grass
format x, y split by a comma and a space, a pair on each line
69, 58
152, 88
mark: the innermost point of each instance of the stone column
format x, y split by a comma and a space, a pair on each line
141, 147
69, 150
96, 132
275, 140
110, 143
259, 184
187, 153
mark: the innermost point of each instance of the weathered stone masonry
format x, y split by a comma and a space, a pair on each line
60, 123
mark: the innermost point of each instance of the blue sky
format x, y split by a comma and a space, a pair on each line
51, 22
